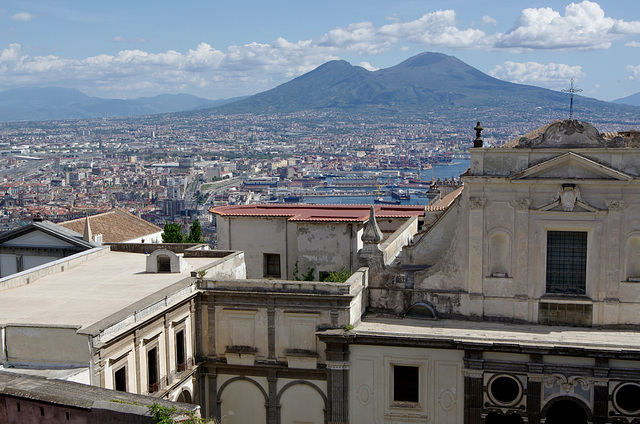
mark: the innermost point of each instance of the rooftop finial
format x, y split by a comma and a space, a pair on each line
88, 235
478, 141
571, 91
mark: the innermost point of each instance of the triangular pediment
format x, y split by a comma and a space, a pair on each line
570, 166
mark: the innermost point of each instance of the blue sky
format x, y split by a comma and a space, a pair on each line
222, 49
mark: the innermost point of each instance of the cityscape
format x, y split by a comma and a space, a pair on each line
319, 213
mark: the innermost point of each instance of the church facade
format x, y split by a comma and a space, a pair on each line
519, 304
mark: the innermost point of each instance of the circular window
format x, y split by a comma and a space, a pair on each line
505, 390
627, 398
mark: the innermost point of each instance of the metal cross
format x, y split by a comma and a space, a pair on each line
571, 90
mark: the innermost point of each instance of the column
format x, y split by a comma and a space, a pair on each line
337, 383
476, 262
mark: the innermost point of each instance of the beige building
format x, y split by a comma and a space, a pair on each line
119, 317
513, 300
279, 239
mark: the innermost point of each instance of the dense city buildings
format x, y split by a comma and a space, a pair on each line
509, 298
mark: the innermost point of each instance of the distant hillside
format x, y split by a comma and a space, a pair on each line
426, 83
53, 103
633, 100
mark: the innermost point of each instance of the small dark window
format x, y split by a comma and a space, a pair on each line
120, 379
42, 411
566, 262
152, 368
505, 390
405, 383
181, 360
67, 415
18, 405
19, 263
272, 265
627, 398
323, 275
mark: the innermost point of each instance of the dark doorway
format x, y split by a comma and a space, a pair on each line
120, 379
566, 411
152, 369
181, 360
497, 418
164, 264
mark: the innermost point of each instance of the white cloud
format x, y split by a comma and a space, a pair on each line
488, 20
23, 17
584, 26
632, 44
368, 66
120, 39
634, 72
552, 75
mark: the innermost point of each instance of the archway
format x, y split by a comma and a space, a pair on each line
184, 397
566, 411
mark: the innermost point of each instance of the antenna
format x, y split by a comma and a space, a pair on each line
571, 91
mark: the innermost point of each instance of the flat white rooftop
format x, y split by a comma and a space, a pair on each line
85, 294
491, 333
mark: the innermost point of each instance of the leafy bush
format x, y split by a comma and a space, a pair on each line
338, 276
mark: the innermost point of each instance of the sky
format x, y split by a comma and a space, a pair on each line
223, 49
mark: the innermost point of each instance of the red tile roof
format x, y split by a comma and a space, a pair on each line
116, 226
341, 213
446, 201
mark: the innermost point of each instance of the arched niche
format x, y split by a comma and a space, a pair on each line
421, 310
302, 401
633, 259
499, 264
242, 400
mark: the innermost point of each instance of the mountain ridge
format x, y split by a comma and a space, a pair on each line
425, 83
56, 103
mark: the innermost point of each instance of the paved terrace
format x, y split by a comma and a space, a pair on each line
506, 337
89, 292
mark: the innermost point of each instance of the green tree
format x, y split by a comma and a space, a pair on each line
195, 233
172, 233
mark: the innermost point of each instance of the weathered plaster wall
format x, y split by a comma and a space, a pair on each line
255, 236
441, 390
41, 344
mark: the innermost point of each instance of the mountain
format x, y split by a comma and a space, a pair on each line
633, 100
53, 103
426, 83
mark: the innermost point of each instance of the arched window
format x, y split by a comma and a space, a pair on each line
421, 310
499, 254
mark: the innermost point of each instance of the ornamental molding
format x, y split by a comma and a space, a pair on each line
337, 365
477, 202
566, 383
521, 204
616, 205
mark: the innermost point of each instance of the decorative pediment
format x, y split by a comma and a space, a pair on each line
569, 134
570, 166
569, 199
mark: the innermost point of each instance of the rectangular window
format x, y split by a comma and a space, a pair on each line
120, 379
181, 359
152, 370
567, 262
406, 383
272, 265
